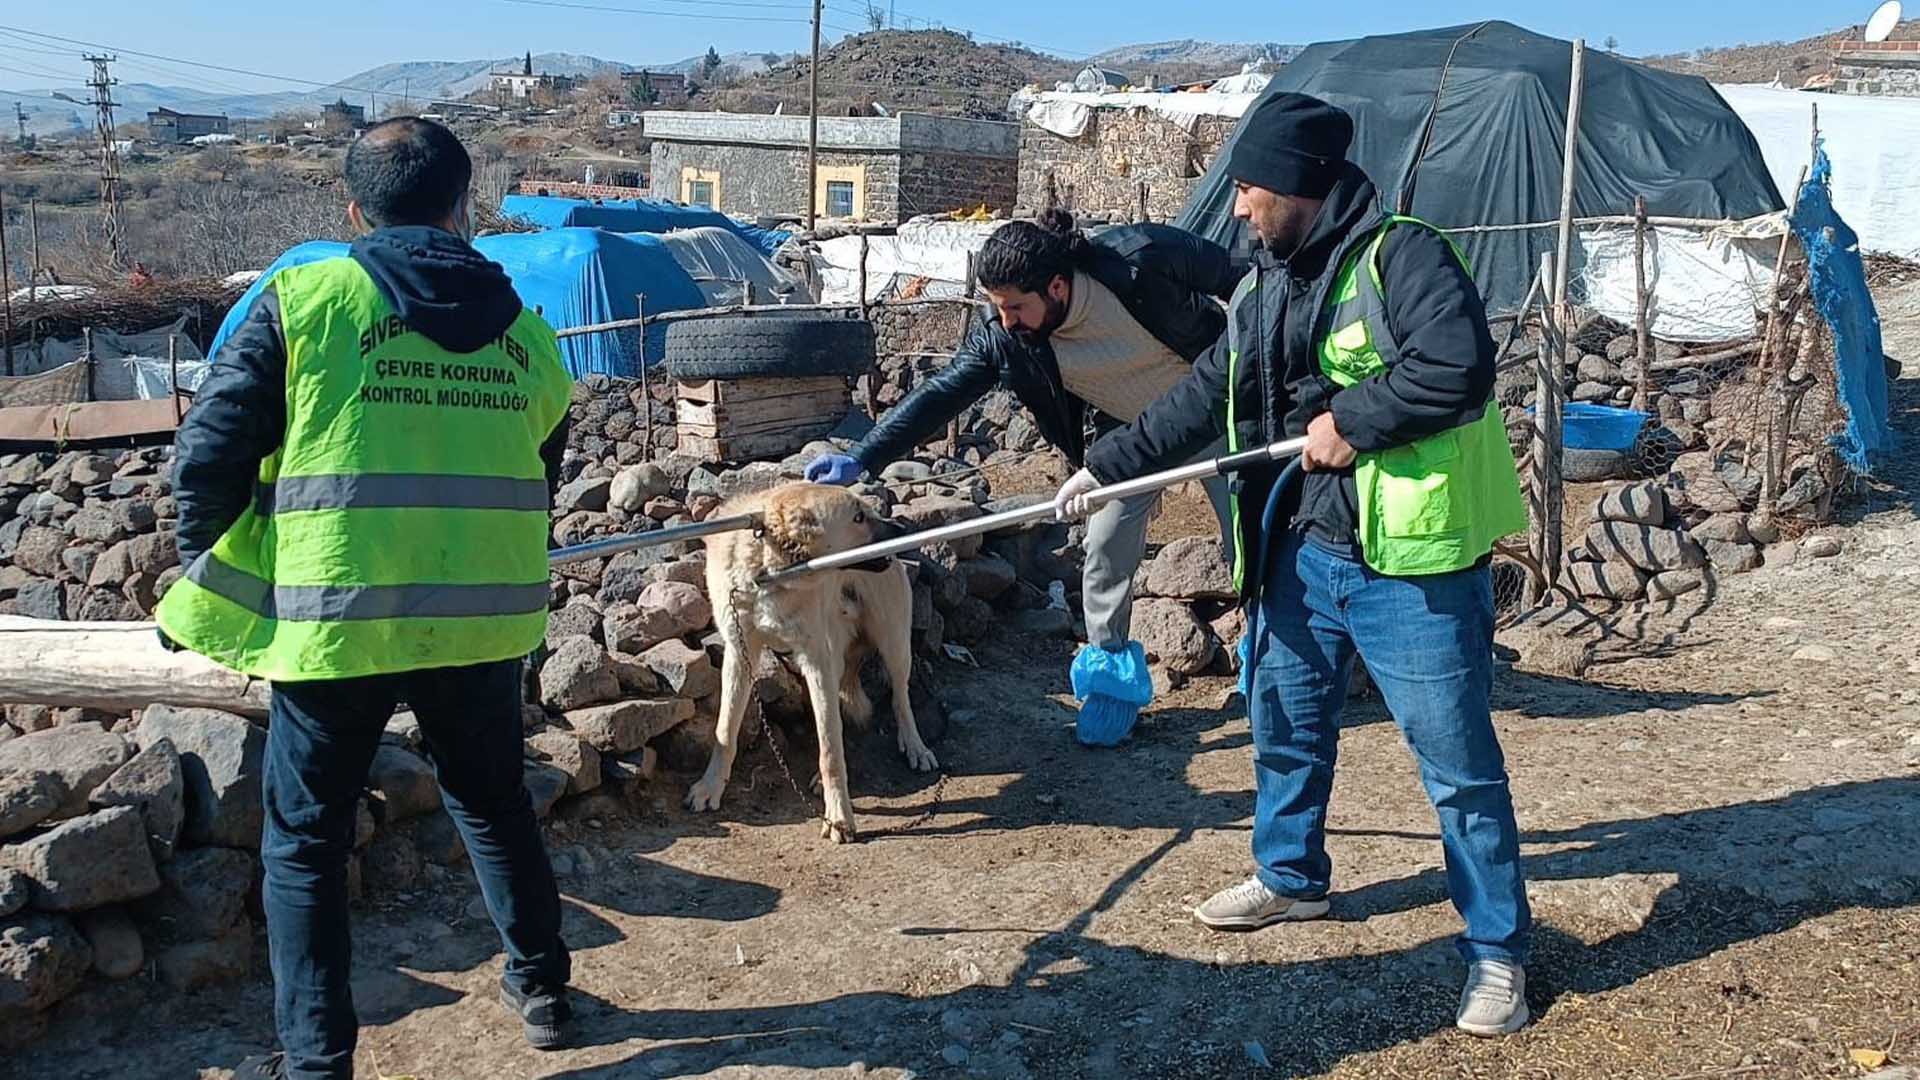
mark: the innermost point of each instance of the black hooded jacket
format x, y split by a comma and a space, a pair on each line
1168, 280
438, 285
1441, 379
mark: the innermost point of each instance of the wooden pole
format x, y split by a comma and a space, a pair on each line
813, 121
1546, 541
173, 375
6, 283
863, 275
646, 391
1643, 343
1563, 257
118, 666
873, 370
1772, 364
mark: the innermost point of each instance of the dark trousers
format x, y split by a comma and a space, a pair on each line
321, 738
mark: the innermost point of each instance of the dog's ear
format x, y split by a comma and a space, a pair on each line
795, 527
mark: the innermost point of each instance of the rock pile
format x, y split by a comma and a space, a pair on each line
1656, 540
1185, 613
86, 536
123, 851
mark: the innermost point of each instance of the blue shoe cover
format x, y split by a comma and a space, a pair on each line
1112, 687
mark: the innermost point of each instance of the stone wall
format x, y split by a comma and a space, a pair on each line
568, 189
756, 180
1889, 70
1103, 169
938, 183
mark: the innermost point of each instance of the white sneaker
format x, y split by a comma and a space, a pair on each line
1250, 905
1494, 1001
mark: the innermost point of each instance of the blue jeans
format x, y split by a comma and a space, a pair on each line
321, 737
1428, 643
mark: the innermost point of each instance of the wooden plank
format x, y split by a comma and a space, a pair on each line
713, 391
795, 407
776, 444
87, 423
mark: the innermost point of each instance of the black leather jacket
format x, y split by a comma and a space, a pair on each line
1167, 278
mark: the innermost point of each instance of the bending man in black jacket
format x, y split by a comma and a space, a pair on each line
1108, 325
1365, 333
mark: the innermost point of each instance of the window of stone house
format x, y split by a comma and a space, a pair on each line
840, 198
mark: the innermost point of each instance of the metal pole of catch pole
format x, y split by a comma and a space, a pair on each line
599, 549
1199, 470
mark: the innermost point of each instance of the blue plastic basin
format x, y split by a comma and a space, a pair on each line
1586, 426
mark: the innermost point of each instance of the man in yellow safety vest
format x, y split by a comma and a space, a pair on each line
1363, 331
363, 486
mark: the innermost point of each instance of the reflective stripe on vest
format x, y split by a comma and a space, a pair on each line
402, 524
344, 603
349, 491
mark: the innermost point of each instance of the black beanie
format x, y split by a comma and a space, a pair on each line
1292, 144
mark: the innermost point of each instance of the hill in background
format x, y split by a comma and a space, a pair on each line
1792, 62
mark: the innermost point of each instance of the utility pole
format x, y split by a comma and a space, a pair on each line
20, 117
813, 121
103, 105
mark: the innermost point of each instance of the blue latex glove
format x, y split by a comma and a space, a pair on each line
840, 470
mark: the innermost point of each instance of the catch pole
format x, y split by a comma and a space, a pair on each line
1199, 470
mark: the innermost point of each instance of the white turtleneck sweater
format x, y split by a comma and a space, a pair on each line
1107, 358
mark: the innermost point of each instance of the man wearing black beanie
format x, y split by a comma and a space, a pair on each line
1362, 331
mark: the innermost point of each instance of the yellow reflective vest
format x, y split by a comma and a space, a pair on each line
402, 523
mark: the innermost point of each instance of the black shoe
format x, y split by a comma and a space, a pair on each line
262, 1067
546, 1017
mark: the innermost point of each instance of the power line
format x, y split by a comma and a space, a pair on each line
28, 45
24, 67
211, 67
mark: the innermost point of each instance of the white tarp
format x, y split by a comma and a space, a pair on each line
1705, 285
718, 261
1873, 142
1067, 114
935, 250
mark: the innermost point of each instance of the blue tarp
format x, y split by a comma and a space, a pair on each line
1841, 295
633, 216
574, 276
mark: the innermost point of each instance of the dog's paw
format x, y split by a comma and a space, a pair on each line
919, 756
838, 832
705, 795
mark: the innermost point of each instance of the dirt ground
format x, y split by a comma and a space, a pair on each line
1718, 819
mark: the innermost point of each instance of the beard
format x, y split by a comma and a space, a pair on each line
1056, 314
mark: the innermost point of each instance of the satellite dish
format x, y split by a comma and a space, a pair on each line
1884, 19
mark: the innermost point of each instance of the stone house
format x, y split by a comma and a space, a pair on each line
872, 168
167, 126
1882, 68
1112, 158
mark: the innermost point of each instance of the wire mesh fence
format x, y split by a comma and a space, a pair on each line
1721, 426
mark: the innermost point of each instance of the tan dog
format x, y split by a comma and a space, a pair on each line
828, 623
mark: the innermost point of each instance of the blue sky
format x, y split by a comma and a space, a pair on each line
330, 40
